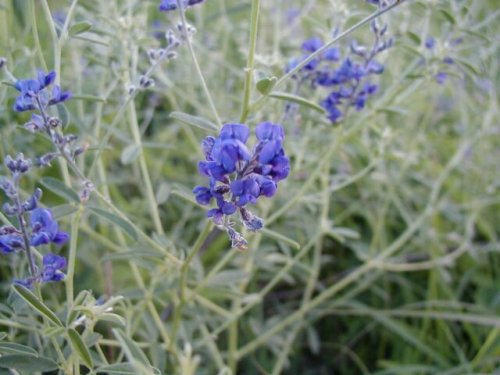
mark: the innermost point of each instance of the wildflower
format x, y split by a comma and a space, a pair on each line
238, 177
52, 268
440, 77
430, 42
34, 94
349, 79
44, 229
168, 5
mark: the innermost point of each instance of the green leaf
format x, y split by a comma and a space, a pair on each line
113, 319
130, 153
89, 98
79, 28
63, 210
264, 83
297, 99
414, 37
113, 219
21, 9
80, 348
196, 121
13, 348
130, 348
28, 363
2, 335
280, 237
229, 277
449, 17
38, 305
118, 368
53, 331
59, 188
163, 193
472, 69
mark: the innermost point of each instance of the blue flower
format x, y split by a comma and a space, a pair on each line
430, 42
10, 240
53, 266
33, 94
440, 77
44, 229
168, 5
238, 177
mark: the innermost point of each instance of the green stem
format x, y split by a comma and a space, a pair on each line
182, 281
70, 273
196, 64
254, 24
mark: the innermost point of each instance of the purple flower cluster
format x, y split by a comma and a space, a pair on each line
237, 176
34, 93
35, 226
39, 229
349, 79
168, 5
35, 96
443, 63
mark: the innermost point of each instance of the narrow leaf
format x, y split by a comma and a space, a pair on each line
57, 187
89, 98
297, 99
118, 368
80, 348
113, 219
280, 237
196, 121
131, 349
28, 363
130, 153
38, 305
13, 348
80, 28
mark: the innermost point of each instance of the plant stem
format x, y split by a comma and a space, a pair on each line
196, 65
70, 273
254, 26
182, 280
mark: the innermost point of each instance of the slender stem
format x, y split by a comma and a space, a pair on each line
55, 39
182, 281
196, 65
36, 39
72, 258
254, 22
62, 162
22, 226
136, 135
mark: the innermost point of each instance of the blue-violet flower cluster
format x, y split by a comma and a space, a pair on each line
36, 225
349, 79
34, 93
238, 177
168, 5
442, 65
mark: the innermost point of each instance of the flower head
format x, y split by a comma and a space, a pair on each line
238, 177
168, 5
44, 229
33, 93
53, 266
